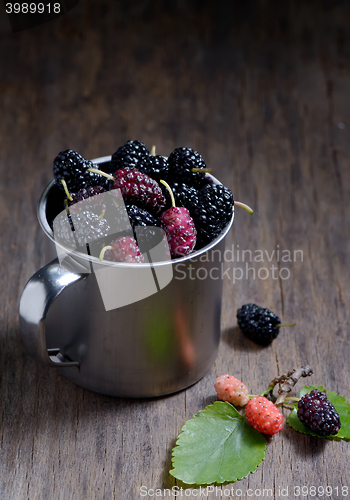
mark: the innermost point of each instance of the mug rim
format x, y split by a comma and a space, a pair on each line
45, 226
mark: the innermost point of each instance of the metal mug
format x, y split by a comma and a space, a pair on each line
152, 347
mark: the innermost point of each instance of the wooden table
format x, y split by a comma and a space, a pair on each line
261, 89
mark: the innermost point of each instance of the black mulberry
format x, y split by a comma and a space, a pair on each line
258, 324
317, 413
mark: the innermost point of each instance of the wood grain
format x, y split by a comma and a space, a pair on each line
261, 89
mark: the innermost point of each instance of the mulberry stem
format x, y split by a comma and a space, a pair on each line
102, 214
66, 206
100, 172
64, 184
268, 390
243, 205
103, 251
170, 192
202, 170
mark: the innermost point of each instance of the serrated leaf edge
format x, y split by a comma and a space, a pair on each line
224, 482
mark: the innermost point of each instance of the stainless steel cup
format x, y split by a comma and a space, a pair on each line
155, 346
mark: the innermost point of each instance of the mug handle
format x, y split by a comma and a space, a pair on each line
37, 297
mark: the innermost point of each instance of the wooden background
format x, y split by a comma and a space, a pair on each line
261, 89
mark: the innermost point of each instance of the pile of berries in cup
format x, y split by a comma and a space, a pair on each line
176, 194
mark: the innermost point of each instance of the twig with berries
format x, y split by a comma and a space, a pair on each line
235, 444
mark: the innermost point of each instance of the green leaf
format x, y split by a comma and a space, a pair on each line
343, 408
340, 404
309, 388
217, 445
